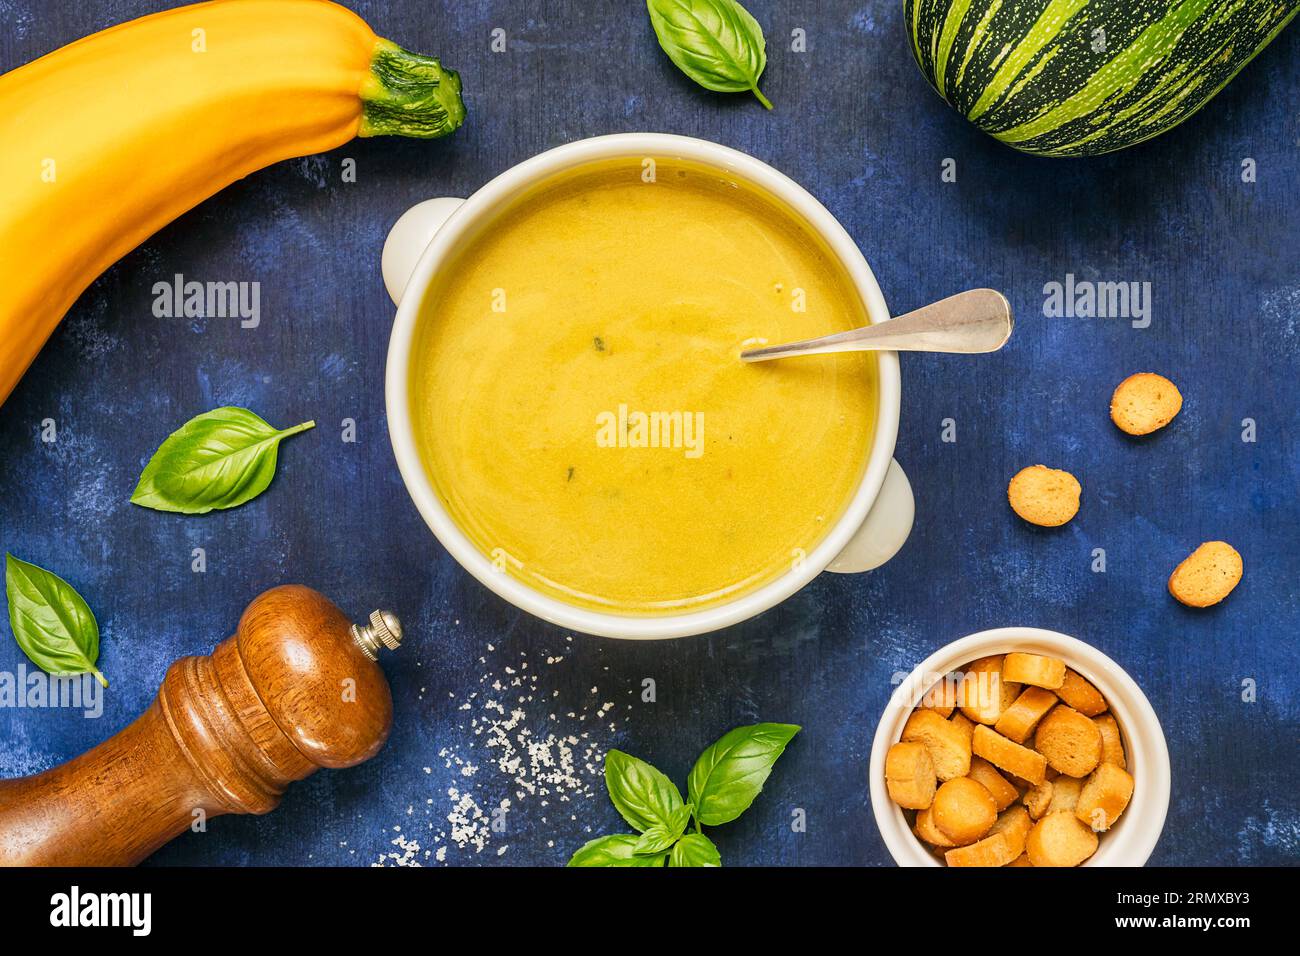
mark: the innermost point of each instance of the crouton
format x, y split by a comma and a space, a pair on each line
949, 748
963, 810
1112, 743
927, 831
1047, 672
909, 775
1059, 839
992, 851
1016, 824
1039, 798
1207, 575
1019, 720
1044, 496
984, 773
1065, 794
1070, 741
1144, 403
1104, 797
1008, 756
983, 693
1081, 695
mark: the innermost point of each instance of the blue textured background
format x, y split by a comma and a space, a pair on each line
857, 125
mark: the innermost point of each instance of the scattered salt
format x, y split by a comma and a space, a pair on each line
523, 749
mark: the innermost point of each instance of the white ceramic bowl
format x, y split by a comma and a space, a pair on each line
1132, 839
878, 518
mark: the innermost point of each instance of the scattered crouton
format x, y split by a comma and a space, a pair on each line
1207, 575
1144, 403
1044, 496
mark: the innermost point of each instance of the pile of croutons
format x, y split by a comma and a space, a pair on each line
1012, 761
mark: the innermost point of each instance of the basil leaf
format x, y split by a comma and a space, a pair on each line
643, 795
613, 851
659, 837
695, 849
51, 622
714, 42
731, 773
219, 459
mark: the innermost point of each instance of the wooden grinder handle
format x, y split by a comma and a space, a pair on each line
296, 688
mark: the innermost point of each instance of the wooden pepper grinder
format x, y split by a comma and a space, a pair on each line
296, 688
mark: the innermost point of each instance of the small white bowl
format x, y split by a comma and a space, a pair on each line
1132, 839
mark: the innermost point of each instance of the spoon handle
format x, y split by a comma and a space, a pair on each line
969, 322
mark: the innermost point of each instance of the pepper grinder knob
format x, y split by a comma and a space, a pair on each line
384, 630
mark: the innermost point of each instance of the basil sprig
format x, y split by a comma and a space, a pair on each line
51, 622
714, 42
724, 782
219, 459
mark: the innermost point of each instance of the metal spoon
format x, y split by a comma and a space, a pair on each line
969, 322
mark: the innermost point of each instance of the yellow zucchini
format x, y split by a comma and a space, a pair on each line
110, 138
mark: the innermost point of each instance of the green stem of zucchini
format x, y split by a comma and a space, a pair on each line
408, 94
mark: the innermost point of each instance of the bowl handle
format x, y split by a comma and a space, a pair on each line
885, 528
408, 239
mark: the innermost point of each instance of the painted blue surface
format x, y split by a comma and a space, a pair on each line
856, 124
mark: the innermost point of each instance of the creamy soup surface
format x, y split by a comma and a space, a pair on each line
581, 408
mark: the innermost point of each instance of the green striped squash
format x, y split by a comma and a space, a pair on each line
1081, 77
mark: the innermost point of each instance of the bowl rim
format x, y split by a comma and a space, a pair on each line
481, 206
1134, 837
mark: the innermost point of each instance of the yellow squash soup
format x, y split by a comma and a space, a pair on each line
581, 408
